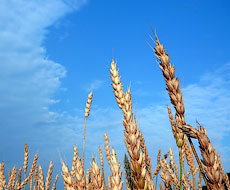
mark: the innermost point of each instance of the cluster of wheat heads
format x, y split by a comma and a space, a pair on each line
139, 174
34, 180
138, 170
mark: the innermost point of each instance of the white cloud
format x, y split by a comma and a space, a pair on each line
28, 79
95, 85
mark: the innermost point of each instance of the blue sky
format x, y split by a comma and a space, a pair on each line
52, 53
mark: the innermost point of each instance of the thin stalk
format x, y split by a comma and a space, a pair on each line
198, 161
84, 146
194, 181
181, 168
156, 180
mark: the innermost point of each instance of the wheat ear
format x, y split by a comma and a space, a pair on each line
68, 180
115, 178
74, 162
41, 179
226, 180
2, 176
36, 178
49, 176
145, 151
87, 110
164, 175
128, 173
116, 182
211, 160
26, 157
80, 177
102, 164
22, 185
175, 95
54, 184
131, 132
97, 181
107, 149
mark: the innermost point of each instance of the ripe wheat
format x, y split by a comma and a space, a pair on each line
139, 174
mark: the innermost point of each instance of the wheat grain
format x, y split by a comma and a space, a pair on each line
49, 176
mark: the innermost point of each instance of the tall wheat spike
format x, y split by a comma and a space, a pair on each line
131, 132
87, 110
176, 98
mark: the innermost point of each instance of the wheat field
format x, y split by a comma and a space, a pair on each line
138, 170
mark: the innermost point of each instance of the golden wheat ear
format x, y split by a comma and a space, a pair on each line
214, 177
132, 134
115, 178
87, 110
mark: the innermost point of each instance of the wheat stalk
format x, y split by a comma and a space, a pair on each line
87, 110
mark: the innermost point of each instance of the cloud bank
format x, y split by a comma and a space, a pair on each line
28, 79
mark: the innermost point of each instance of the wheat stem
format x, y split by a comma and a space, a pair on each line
181, 168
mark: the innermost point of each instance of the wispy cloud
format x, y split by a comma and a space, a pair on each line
28, 79
95, 85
